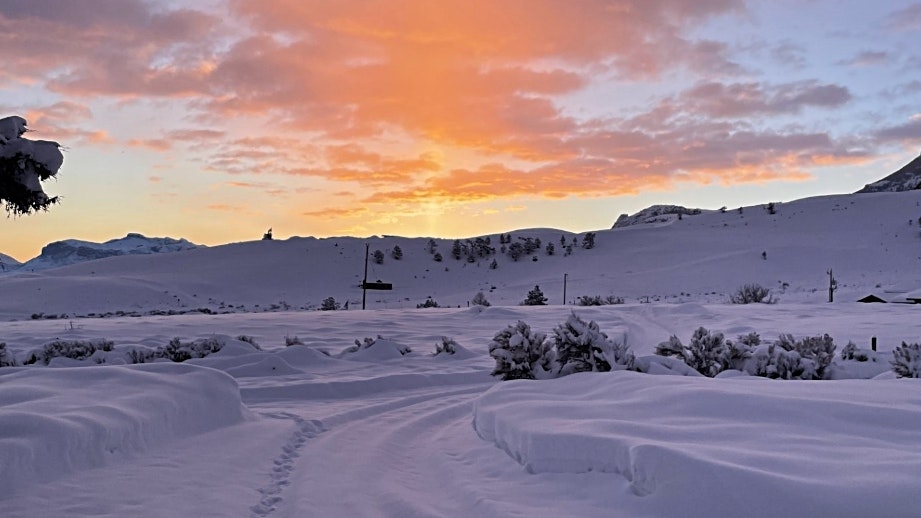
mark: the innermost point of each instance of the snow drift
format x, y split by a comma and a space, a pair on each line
60, 420
825, 448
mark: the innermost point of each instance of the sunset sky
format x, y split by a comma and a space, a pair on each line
215, 120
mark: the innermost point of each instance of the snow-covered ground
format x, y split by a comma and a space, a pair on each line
312, 429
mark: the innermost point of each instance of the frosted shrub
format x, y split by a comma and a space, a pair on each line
6, 357
854, 353
445, 346
789, 359
520, 353
74, 349
906, 360
581, 346
705, 352
710, 353
535, 298
752, 294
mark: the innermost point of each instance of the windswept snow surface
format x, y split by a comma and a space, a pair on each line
389, 434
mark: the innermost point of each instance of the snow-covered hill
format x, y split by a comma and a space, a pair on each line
72, 251
872, 243
8, 263
905, 179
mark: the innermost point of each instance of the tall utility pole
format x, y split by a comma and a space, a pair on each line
364, 282
565, 275
832, 286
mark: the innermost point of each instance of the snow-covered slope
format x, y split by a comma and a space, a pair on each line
870, 241
655, 214
8, 263
72, 251
905, 179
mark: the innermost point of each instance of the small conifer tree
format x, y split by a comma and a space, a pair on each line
535, 298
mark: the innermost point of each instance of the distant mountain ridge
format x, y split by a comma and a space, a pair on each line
908, 178
73, 251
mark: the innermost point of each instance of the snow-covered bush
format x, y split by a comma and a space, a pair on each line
709, 353
74, 349
906, 360
788, 358
535, 298
177, 350
480, 299
582, 346
429, 303
24, 164
292, 340
521, 353
329, 304
854, 353
706, 352
6, 357
598, 300
447, 345
752, 294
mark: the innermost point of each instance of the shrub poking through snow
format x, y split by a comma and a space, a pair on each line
906, 360
74, 349
519, 352
6, 357
292, 340
598, 300
480, 299
177, 351
329, 304
582, 346
250, 340
429, 303
445, 346
369, 342
752, 294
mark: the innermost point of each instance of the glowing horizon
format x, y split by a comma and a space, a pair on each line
447, 119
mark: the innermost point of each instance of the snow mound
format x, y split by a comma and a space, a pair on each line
271, 365
830, 448
59, 421
378, 349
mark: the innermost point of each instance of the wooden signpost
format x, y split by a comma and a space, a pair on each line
365, 285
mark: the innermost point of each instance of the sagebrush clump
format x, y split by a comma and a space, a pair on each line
752, 294
906, 360
177, 350
74, 349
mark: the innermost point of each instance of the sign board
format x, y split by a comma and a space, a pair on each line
377, 286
